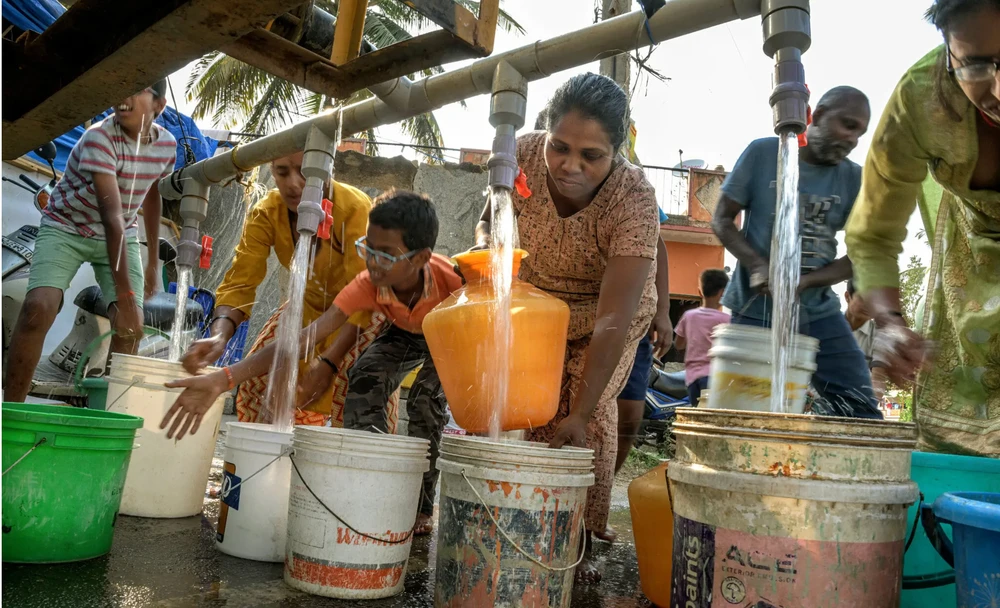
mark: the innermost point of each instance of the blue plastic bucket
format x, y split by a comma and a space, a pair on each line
935, 475
975, 546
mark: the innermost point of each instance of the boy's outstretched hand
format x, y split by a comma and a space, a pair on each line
200, 393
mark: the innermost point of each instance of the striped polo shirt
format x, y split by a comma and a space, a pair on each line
105, 148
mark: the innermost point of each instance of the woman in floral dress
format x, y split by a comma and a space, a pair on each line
591, 229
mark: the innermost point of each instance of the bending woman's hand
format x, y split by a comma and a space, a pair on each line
571, 431
903, 351
200, 393
661, 332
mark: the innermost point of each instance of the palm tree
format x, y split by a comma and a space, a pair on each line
237, 95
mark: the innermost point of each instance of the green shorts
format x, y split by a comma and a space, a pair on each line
59, 255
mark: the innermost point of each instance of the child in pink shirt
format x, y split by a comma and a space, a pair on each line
694, 332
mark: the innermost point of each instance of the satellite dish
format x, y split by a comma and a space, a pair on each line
694, 163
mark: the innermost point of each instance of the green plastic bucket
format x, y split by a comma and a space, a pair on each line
97, 392
937, 474
60, 500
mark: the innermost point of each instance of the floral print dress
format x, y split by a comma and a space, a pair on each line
567, 258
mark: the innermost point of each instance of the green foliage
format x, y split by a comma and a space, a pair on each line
911, 290
911, 287
640, 460
906, 414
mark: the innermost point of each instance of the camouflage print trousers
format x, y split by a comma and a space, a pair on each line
378, 373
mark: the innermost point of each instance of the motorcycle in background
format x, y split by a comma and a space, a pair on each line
88, 340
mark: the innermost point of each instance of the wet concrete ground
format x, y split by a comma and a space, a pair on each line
174, 563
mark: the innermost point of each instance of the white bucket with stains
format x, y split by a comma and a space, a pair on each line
537, 495
740, 377
351, 508
166, 478
253, 511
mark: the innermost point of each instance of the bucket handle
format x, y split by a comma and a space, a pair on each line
223, 493
25, 455
940, 542
401, 541
531, 558
135, 380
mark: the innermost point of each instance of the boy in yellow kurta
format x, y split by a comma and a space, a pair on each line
270, 225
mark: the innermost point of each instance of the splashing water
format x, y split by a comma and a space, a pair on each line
786, 260
284, 375
503, 234
177, 345
177, 342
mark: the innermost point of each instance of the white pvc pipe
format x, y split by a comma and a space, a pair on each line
534, 61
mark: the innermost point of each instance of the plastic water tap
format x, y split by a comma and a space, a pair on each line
205, 259
317, 168
323, 231
507, 109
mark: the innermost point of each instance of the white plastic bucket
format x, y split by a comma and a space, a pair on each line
372, 483
253, 511
166, 478
741, 369
537, 495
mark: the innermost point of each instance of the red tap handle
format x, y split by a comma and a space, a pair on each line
803, 140
521, 184
206, 252
323, 230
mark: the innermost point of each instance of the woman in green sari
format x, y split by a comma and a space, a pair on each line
943, 118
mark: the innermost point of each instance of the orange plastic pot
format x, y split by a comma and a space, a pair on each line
460, 335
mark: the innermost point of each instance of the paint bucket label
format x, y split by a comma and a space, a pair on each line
721, 568
230, 497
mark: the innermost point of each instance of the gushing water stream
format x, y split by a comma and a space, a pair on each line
177, 345
503, 235
284, 375
786, 260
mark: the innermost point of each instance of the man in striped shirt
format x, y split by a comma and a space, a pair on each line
92, 218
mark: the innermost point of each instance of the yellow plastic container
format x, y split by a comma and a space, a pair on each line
460, 335
653, 528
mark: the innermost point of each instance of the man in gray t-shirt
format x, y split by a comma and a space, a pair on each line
828, 185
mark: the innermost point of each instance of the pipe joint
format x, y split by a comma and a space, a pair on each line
787, 35
310, 210
502, 164
786, 24
188, 249
507, 113
790, 96
317, 168
317, 158
394, 93
193, 211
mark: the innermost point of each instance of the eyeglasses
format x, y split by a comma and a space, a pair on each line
980, 71
380, 259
